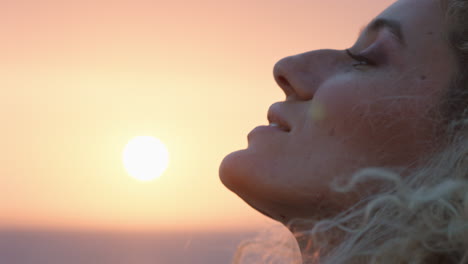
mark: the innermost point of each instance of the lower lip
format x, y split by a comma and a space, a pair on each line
265, 129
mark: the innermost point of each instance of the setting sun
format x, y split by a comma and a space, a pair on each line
145, 158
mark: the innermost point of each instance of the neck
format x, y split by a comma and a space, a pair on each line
309, 253
304, 241
306, 250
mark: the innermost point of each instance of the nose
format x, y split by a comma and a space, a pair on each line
300, 76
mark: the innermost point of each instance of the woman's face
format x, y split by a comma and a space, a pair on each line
373, 108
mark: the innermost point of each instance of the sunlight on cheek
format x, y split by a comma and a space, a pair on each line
316, 111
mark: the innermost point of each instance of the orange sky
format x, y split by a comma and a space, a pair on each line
81, 78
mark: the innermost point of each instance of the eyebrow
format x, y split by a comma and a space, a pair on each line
392, 25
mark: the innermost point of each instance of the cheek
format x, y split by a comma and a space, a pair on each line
344, 106
371, 119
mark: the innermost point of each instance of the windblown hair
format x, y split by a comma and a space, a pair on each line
419, 218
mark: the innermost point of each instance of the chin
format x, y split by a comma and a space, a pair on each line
232, 170
241, 172
237, 176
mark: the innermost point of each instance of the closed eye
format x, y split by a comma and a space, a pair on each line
360, 60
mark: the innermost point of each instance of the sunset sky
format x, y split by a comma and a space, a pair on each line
79, 79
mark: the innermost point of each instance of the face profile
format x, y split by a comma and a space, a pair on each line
375, 104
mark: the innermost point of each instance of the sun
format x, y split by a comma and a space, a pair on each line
145, 158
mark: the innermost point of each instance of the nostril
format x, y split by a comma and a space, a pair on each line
285, 85
283, 81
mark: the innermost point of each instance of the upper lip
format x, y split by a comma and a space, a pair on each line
274, 116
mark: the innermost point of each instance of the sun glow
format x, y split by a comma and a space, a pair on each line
145, 158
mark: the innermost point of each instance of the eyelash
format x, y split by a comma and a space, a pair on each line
361, 60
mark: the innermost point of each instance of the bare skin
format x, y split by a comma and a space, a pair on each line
370, 107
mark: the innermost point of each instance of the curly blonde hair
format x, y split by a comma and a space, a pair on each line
419, 218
